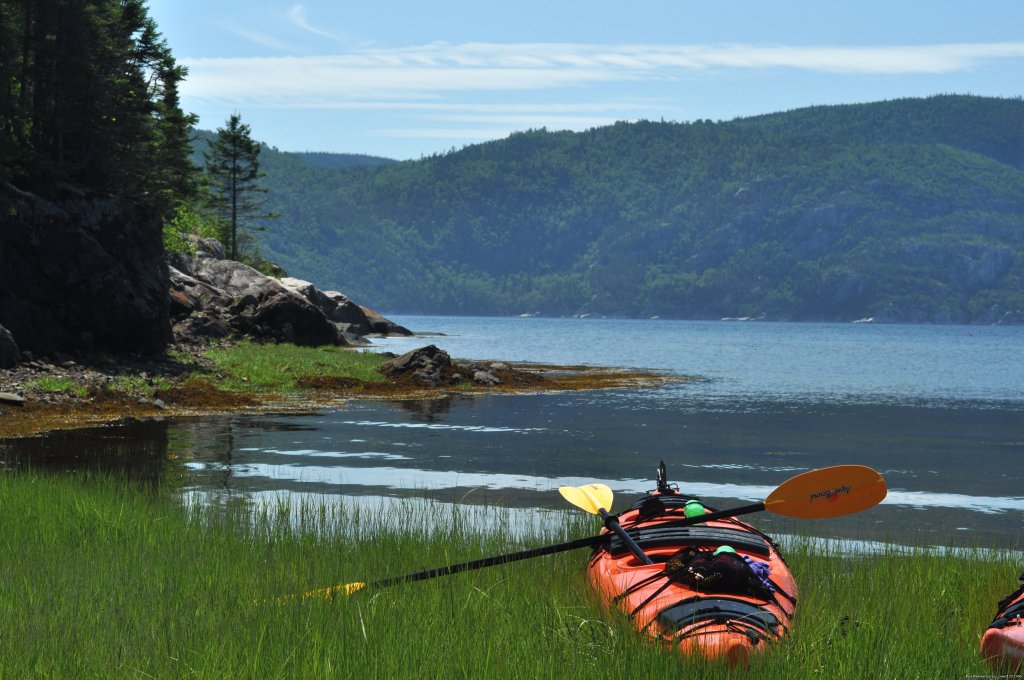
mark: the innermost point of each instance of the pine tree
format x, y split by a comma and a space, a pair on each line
233, 169
89, 103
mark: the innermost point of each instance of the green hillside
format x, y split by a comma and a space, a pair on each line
907, 210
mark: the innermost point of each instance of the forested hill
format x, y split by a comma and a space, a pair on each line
907, 210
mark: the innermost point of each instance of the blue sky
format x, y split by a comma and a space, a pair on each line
408, 79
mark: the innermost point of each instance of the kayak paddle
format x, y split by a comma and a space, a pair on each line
817, 494
594, 498
331, 592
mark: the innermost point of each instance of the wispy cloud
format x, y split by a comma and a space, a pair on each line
297, 14
440, 68
258, 38
485, 90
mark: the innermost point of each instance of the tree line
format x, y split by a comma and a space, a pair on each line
903, 210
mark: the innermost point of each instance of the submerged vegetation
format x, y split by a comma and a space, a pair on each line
101, 579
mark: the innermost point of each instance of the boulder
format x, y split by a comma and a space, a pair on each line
224, 297
382, 326
485, 378
12, 399
335, 306
424, 366
214, 297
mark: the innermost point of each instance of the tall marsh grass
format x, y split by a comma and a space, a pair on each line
99, 579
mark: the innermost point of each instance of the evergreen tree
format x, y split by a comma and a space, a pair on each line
233, 169
89, 102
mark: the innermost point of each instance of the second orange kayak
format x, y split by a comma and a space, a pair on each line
1003, 641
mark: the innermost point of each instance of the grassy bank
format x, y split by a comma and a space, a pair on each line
283, 368
100, 580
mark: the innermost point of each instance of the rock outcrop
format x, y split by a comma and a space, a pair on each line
82, 275
337, 307
88, 275
215, 297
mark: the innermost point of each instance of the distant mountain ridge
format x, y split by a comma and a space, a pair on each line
908, 210
340, 160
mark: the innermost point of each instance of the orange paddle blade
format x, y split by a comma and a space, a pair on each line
828, 492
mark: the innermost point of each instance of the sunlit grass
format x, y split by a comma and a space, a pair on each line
49, 383
98, 579
129, 384
54, 384
253, 367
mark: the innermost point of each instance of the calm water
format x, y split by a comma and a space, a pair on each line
938, 410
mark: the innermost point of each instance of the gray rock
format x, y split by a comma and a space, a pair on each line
9, 352
214, 297
485, 378
223, 297
11, 398
425, 366
335, 306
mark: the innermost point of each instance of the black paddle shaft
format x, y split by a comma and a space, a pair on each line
720, 514
612, 523
588, 542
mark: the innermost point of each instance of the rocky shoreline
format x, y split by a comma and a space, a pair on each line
98, 324
136, 387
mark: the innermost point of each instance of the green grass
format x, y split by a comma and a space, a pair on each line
254, 367
52, 384
101, 580
129, 384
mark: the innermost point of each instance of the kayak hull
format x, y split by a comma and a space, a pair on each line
728, 626
1003, 641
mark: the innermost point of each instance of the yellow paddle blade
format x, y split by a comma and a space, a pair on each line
591, 497
322, 593
828, 492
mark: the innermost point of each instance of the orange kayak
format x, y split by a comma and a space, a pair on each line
1003, 641
719, 590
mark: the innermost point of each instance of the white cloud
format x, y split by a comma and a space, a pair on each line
475, 91
317, 78
439, 69
261, 39
297, 14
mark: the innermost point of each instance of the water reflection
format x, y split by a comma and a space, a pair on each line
135, 450
953, 473
426, 410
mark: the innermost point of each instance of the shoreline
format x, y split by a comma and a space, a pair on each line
102, 391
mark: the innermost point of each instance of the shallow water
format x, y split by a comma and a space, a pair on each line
939, 411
